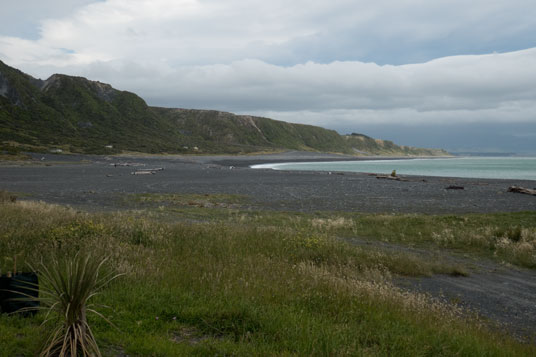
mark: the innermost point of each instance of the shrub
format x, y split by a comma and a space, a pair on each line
67, 285
7, 196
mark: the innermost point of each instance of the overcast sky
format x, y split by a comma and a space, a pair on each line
454, 74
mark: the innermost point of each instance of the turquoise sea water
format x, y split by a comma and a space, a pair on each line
476, 167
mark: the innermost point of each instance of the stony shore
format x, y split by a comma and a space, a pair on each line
98, 182
500, 293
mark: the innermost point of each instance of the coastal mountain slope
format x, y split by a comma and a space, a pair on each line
220, 131
365, 145
78, 115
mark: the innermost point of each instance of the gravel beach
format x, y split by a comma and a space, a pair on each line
99, 183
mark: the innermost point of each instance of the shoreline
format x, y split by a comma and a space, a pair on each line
405, 168
105, 183
94, 181
303, 156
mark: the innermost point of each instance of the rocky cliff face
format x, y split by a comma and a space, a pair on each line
7, 91
57, 81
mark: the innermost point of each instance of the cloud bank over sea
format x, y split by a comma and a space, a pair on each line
346, 65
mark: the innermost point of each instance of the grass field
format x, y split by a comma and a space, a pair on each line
209, 275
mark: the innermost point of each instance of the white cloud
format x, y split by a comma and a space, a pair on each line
302, 61
497, 87
285, 32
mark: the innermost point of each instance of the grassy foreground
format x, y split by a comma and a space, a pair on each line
226, 281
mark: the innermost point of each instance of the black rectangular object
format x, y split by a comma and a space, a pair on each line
18, 287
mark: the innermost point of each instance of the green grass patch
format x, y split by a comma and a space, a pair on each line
245, 283
504, 237
192, 200
508, 237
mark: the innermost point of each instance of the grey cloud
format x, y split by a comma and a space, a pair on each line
23, 18
279, 32
411, 32
489, 88
337, 64
467, 83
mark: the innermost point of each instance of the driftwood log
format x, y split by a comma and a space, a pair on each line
143, 172
453, 187
386, 177
518, 189
147, 171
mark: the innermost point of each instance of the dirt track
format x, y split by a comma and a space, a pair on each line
503, 295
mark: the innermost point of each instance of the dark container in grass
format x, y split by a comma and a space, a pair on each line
18, 293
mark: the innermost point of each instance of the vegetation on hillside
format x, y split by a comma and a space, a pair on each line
74, 114
365, 145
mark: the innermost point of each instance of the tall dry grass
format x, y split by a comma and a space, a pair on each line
266, 283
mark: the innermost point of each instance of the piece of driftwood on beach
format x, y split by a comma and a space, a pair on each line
125, 164
518, 189
143, 172
147, 171
388, 177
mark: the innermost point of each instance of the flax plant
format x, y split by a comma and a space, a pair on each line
67, 285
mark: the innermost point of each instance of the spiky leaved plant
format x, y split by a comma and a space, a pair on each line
66, 286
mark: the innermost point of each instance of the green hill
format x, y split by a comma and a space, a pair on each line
365, 145
78, 115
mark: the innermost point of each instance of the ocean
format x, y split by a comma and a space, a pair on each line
522, 168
